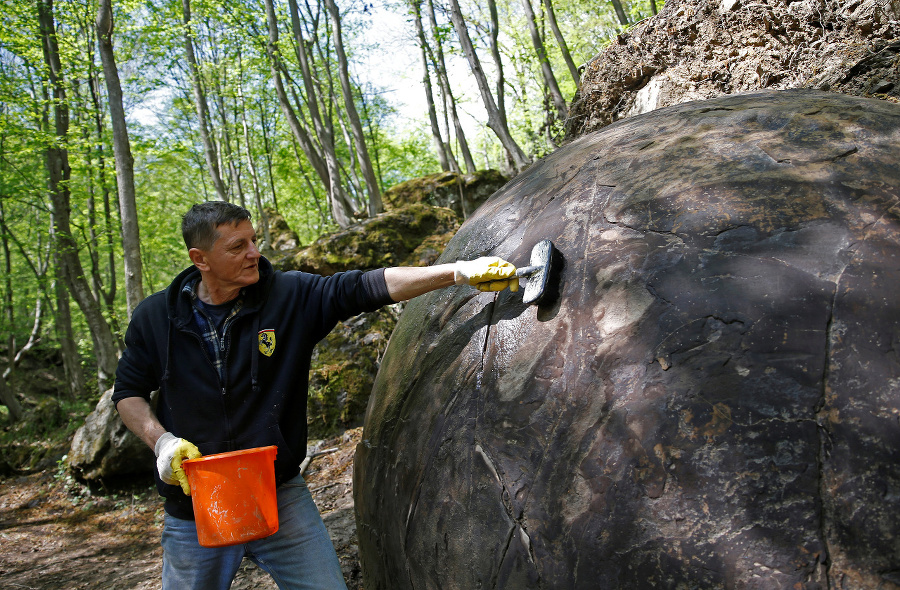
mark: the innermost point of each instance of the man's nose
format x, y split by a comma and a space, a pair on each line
253, 252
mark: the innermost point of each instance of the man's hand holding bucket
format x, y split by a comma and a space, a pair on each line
171, 451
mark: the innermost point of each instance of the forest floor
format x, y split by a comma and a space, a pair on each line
56, 533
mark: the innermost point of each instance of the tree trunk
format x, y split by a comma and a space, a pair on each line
131, 237
212, 159
264, 126
561, 42
57, 164
351, 170
439, 147
8, 399
7, 396
323, 218
66, 336
93, 242
33, 338
251, 165
298, 130
444, 80
39, 268
372, 140
498, 59
547, 71
228, 154
620, 12
496, 121
9, 307
342, 208
362, 151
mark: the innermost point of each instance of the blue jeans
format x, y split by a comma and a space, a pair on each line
299, 556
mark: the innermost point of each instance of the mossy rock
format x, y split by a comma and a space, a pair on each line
30, 456
283, 237
388, 239
343, 371
445, 190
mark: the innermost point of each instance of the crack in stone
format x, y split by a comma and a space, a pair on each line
825, 517
433, 443
517, 521
784, 161
842, 155
645, 230
496, 575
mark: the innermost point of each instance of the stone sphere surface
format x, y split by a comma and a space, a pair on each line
710, 398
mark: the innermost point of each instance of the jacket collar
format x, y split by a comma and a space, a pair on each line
179, 305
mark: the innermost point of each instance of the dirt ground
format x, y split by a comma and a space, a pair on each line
55, 533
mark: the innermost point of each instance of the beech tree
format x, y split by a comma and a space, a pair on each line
131, 238
440, 148
549, 77
203, 119
362, 152
447, 96
496, 118
561, 42
59, 176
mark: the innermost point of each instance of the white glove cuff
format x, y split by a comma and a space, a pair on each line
163, 440
165, 449
458, 277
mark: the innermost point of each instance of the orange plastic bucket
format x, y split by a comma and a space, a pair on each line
234, 496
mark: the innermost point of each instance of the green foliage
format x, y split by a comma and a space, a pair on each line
410, 156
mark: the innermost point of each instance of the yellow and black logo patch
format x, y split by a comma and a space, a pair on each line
267, 342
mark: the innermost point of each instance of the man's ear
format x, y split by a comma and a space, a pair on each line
198, 257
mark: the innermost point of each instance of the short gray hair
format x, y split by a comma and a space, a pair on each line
198, 226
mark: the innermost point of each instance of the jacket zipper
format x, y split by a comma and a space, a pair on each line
222, 385
223, 347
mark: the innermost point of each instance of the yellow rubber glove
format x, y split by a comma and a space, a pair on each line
488, 273
171, 451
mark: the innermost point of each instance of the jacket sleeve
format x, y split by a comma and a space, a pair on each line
346, 294
136, 373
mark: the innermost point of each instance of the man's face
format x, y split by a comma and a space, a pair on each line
233, 260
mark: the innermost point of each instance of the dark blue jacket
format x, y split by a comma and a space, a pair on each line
263, 399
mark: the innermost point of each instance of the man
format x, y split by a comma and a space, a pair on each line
228, 344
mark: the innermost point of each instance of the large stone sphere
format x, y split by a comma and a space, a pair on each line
711, 398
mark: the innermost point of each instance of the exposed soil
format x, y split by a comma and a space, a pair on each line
700, 49
56, 533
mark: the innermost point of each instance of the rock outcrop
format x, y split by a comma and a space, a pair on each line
463, 193
712, 400
410, 236
104, 448
699, 49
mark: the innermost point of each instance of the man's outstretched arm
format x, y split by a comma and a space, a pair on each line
406, 282
488, 273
